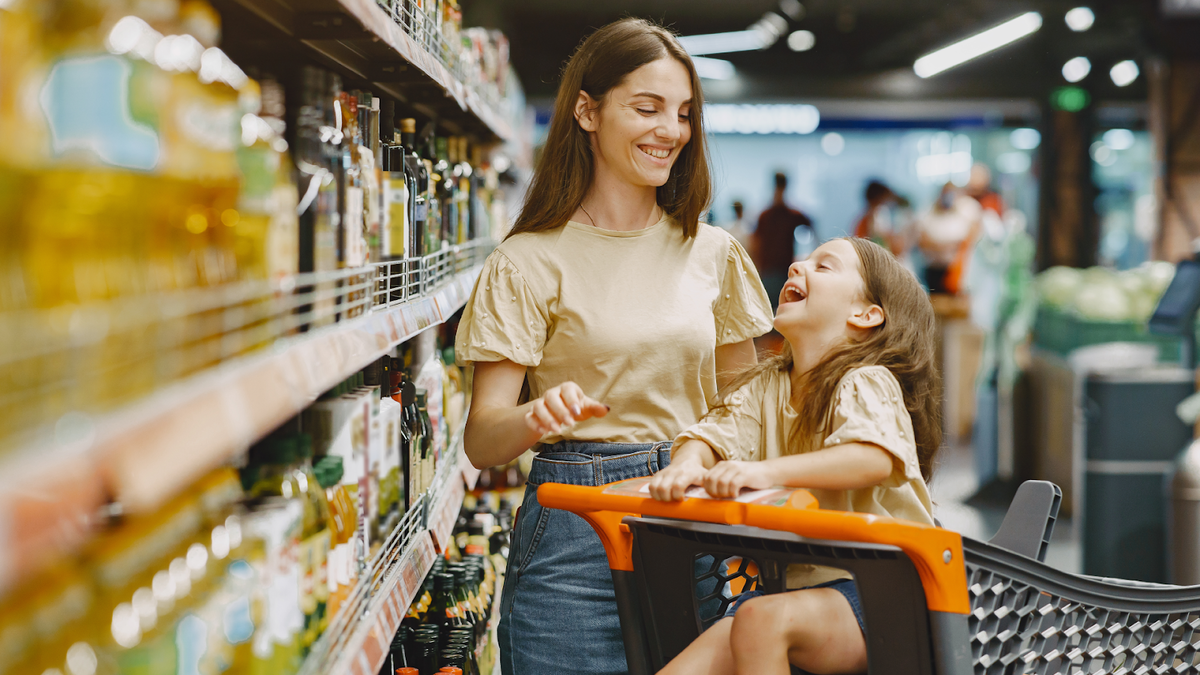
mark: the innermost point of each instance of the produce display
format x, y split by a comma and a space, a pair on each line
1080, 307
1103, 294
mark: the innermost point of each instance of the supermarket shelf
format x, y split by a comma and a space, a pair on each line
359, 638
365, 41
144, 453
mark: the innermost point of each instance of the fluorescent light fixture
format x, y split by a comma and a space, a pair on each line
1076, 69
833, 143
722, 43
977, 45
1124, 73
726, 118
1025, 138
801, 41
760, 35
1118, 139
1080, 19
713, 69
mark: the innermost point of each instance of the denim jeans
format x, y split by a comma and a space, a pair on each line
558, 610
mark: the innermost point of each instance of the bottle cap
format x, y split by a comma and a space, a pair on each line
408, 125
422, 396
451, 670
407, 671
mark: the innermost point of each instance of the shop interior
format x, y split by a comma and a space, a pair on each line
237, 238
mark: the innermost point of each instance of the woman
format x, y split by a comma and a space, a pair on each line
619, 309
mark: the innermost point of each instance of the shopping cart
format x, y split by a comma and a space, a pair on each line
933, 602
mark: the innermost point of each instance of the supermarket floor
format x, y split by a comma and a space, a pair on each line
953, 485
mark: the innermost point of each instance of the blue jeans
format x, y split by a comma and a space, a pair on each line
558, 610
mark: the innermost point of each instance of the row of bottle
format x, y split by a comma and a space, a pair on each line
243, 572
448, 624
375, 189
176, 173
178, 176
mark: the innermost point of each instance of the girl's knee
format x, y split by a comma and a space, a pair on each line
759, 615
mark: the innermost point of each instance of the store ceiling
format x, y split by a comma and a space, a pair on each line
864, 48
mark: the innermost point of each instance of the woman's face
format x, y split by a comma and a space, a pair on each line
643, 125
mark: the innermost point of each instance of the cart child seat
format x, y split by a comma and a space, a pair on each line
933, 602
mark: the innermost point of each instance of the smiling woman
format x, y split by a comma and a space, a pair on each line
620, 310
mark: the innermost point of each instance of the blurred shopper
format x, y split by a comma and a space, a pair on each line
946, 234
740, 227
979, 188
774, 240
583, 304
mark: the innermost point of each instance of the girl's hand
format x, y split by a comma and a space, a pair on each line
560, 407
670, 483
727, 478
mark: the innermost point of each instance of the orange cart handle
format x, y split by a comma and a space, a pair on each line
935, 552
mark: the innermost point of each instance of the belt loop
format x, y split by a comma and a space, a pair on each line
597, 470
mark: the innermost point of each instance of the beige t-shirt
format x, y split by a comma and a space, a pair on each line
867, 408
633, 318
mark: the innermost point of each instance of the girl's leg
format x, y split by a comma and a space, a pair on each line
814, 629
707, 655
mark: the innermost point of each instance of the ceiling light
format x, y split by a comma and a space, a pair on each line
1076, 69
1080, 19
977, 45
801, 41
1025, 138
1124, 73
760, 35
792, 8
727, 118
721, 43
833, 143
713, 69
1118, 139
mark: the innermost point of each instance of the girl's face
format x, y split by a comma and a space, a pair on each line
824, 297
643, 125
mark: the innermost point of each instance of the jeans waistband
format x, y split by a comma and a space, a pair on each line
596, 463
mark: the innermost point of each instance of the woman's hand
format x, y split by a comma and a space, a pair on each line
727, 478
672, 482
560, 407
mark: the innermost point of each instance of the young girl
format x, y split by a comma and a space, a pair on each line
849, 410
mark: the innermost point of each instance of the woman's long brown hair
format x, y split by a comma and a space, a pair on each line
564, 174
903, 343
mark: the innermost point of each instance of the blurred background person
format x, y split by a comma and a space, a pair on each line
979, 188
946, 233
772, 245
740, 227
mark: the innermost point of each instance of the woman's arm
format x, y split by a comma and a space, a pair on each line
498, 430
850, 466
733, 358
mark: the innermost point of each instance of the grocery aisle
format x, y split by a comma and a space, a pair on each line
230, 276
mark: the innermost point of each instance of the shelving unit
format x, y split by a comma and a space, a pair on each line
382, 44
359, 637
143, 453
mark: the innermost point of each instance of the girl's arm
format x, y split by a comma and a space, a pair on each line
849, 466
498, 430
687, 468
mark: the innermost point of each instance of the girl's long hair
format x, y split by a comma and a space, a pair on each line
563, 175
903, 343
